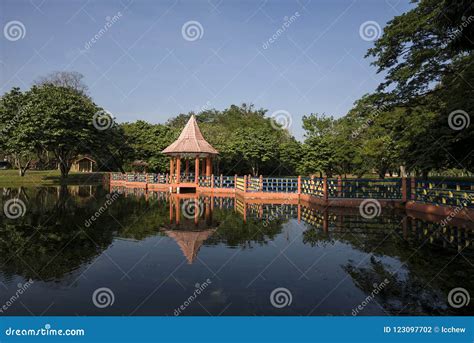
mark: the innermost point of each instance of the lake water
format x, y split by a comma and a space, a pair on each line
87, 250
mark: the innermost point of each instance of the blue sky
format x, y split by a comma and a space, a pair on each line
142, 67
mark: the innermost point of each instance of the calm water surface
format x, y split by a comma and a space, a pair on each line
154, 251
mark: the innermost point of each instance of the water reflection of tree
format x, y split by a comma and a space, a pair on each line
233, 231
139, 218
424, 286
316, 237
401, 295
52, 238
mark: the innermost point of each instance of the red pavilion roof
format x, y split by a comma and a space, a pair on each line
190, 141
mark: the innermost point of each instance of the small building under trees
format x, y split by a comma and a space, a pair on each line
84, 164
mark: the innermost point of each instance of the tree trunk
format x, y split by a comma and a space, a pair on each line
22, 169
382, 171
403, 172
64, 168
255, 170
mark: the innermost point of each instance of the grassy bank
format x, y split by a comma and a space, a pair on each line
9, 178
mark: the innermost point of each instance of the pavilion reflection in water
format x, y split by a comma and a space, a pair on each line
189, 241
191, 220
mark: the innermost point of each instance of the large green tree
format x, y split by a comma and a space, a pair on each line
147, 141
20, 130
65, 120
418, 48
427, 56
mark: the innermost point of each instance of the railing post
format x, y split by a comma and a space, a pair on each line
222, 182
413, 189
299, 184
261, 183
245, 183
339, 186
404, 189
212, 180
235, 182
325, 188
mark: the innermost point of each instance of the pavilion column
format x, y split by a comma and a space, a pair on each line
196, 171
208, 166
171, 169
178, 168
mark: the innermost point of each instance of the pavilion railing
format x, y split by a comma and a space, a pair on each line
222, 181
118, 177
135, 178
448, 193
188, 178
312, 186
253, 184
205, 181
280, 184
365, 188
157, 178
241, 183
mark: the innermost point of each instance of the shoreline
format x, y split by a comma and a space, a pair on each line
10, 178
